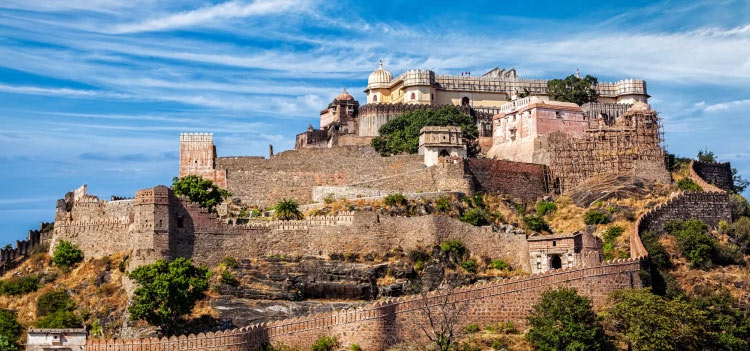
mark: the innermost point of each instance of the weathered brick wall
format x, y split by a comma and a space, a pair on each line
448, 175
718, 174
293, 174
525, 181
709, 207
385, 322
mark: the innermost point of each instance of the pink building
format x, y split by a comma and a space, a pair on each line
520, 128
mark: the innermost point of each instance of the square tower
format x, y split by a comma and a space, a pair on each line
198, 157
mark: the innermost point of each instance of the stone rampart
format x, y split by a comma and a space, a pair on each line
525, 181
375, 326
11, 255
717, 176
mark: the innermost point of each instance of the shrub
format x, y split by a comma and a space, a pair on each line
10, 330
54, 301
471, 328
499, 345
564, 320
418, 255
287, 209
649, 322
595, 217
59, 320
325, 343
228, 278
330, 198
19, 285
741, 234
499, 264
229, 262
687, 184
395, 200
355, 347
351, 257
724, 227
6, 344
545, 207
336, 256
740, 206
201, 191
66, 255
612, 233
443, 204
694, 242
476, 216
470, 266
536, 223
456, 247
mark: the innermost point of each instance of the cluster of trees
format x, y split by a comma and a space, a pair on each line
401, 134
201, 191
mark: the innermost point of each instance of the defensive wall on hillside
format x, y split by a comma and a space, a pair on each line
10, 255
157, 224
717, 174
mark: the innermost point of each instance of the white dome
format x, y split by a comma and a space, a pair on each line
379, 77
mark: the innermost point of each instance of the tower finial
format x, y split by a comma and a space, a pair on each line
380, 64
578, 73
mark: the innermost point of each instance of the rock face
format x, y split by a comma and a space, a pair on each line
296, 279
243, 312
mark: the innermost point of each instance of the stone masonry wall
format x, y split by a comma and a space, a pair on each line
718, 174
375, 326
293, 174
11, 255
525, 181
709, 207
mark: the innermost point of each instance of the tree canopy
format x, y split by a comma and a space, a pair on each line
202, 191
564, 320
573, 89
166, 291
287, 209
401, 134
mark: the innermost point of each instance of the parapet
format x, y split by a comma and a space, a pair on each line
197, 137
156, 195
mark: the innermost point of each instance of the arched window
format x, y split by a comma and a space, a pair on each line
555, 262
413, 96
444, 153
374, 98
465, 101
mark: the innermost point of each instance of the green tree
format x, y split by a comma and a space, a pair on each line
66, 255
649, 322
166, 291
694, 242
54, 301
59, 320
401, 134
726, 327
595, 217
573, 89
687, 184
10, 330
201, 191
706, 156
287, 209
564, 320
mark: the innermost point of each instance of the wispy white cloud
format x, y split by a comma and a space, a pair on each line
208, 14
737, 105
33, 90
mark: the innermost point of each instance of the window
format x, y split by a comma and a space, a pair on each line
413, 96
374, 98
554, 243
465, 101
558, 114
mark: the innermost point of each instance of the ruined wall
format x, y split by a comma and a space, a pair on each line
375, 326
11, 255
709, 207
718, 174
293, 174
525, 181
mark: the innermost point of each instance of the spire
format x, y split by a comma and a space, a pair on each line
578, 73
380, 64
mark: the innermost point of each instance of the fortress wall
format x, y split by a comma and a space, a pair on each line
293, 174
12, 255
385, 322
709, 207
525, 181
207, 240
445, 176
717, 174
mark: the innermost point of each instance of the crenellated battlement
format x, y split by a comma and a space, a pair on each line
197, 137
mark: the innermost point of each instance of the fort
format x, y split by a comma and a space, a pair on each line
532, 148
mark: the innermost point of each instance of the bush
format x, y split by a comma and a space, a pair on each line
287, 209
54, 301
724, 227
536, 223
418, 255
395, 200
545, 207
329, 199
455, 247
595, 217
66, 255
687, 184
471, 328
10, 330
694, 242
499, 264
740, 206
19, 285
325, 343
741, 234
336, 256
470, 266
59, 320
612, 233
228, 278
649, 322
476, 216
564, 320
443, 204
355, 347
201, 191
229, 262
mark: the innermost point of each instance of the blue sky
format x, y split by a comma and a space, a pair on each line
97, 92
